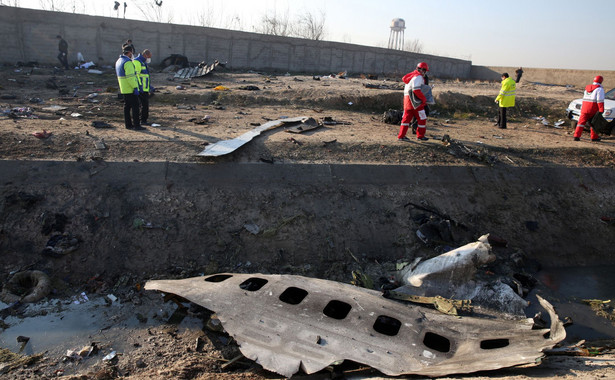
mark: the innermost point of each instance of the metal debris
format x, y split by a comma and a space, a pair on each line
458, 265
201, 70
287, 323
305, 125
228, 146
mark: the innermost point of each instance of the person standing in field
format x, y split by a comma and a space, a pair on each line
129, 87
63, 55
506, 99
593, 102
414, 103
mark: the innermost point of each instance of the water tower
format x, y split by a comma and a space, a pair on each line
396, 38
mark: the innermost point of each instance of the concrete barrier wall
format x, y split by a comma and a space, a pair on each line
30, 35
563, 77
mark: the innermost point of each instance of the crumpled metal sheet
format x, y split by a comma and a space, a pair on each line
199, 71
287, 323
228, 146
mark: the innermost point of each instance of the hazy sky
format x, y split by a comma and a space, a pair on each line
538, 33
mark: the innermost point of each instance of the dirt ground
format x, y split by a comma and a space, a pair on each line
154, 339
195, 115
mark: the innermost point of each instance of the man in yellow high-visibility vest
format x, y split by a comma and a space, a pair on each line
129, 87
141, 62
506, 98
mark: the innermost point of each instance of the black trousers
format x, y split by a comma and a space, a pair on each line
131, 105
502, 117
63, 60
144, 98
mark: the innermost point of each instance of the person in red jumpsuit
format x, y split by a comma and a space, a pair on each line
593, 102
414, 103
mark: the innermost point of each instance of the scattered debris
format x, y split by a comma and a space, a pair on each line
250, 88
392, 116
204, 120
42, 135
294, 141
369, 76
543, 120
287, 323
228, 146
252, 228
328, 120
54, 108
140, 223
59, 245
382, 86
457, 149
27, 286
19, 112
109, 357
607, 220
101, 124
100, 144
305, 125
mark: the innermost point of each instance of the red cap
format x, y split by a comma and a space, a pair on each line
598, 79
422, 65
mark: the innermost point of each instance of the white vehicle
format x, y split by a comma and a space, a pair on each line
574, 108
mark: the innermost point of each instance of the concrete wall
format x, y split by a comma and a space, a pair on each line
564, 77
30, 35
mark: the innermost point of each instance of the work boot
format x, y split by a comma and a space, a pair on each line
139, 128
596, 139
577, 139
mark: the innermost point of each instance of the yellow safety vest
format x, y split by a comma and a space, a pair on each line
507, 93
126, 75
143, 72
137, 64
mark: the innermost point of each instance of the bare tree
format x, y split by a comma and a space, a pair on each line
153, 11
414, 46
14, 3
204, 17
52, 5
275, 25
310, 26
234, 22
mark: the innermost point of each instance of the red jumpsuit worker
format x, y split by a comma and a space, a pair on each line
414, 103
593, 102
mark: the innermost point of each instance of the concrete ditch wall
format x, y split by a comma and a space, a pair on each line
30, 35
561, 77
309, 216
